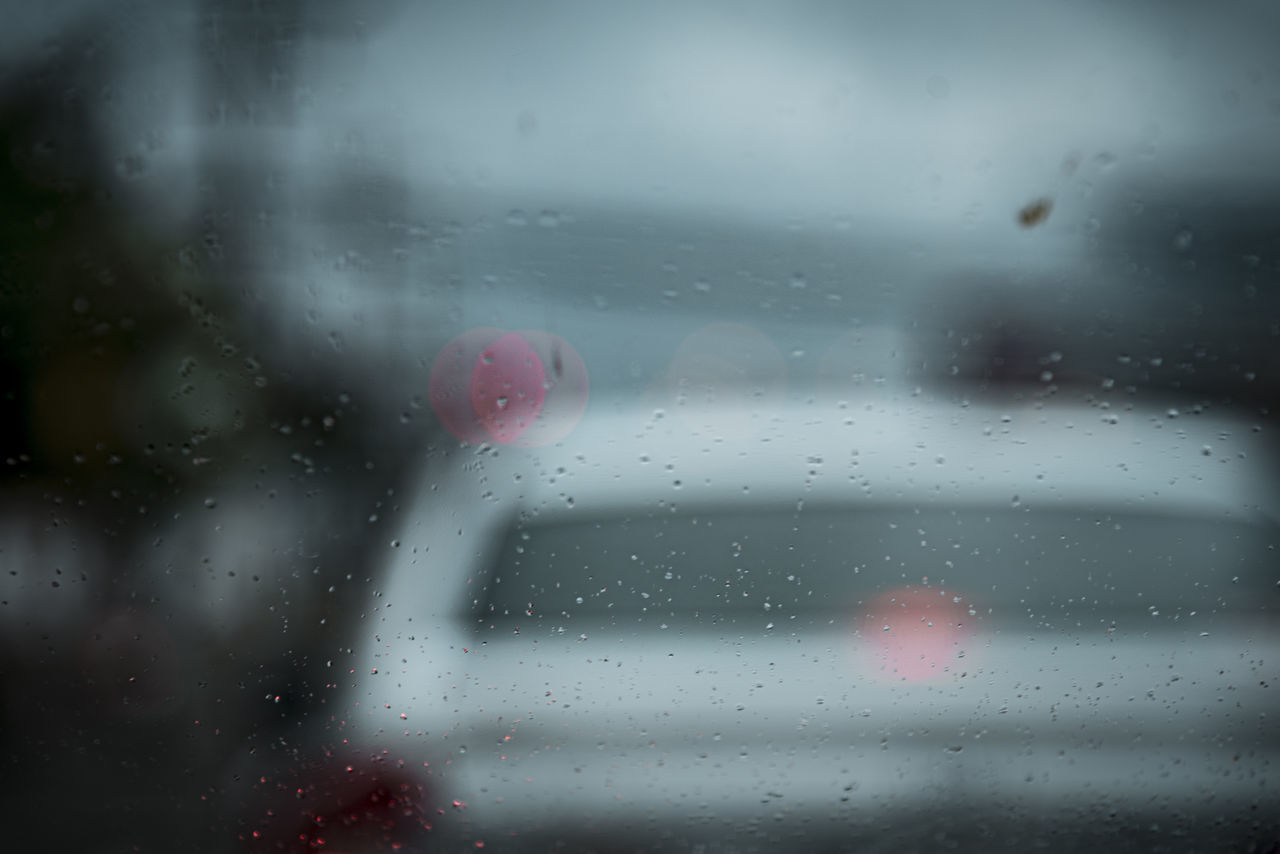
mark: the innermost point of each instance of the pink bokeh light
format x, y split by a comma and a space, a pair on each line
526, 388
508, 387
915, 633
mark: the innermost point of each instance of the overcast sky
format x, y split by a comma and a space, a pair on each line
916, 109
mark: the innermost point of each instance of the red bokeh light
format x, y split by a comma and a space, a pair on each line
449, 388
508, 387
322, 806
915, 633
519, 388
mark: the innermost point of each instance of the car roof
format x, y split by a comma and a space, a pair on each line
886, 451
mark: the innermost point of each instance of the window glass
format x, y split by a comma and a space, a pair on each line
570, 426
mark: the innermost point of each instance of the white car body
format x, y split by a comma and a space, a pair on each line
1104, 689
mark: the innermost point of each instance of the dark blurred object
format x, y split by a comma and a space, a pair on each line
1176, 302
1035, 213
164, 540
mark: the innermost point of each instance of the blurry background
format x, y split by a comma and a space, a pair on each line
237, 235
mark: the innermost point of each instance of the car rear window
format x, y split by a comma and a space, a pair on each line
765, 569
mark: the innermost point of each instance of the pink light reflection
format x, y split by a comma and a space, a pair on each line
567, 390
519, 388
915, 633
508, 387
449, 388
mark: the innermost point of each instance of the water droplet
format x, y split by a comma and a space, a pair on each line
1182, 240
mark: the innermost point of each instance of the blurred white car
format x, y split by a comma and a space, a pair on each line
901, 623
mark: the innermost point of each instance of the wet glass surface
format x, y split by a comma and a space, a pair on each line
713, 427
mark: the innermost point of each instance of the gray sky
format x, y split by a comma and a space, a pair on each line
922, 111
